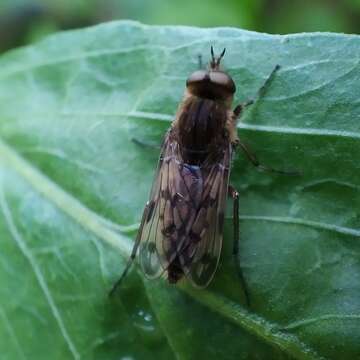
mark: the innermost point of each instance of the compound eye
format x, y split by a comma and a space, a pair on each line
211, 84
198, 76
223, 79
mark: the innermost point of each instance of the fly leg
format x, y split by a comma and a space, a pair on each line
133, 254
254, 160
235, 142
260, 93
235, 196
234, 115
200, 62
267, 82
233, 131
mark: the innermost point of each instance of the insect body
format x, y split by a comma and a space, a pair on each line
181, 228
183, 221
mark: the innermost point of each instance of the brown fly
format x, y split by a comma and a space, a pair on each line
181, 228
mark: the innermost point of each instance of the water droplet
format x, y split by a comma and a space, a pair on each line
144, 321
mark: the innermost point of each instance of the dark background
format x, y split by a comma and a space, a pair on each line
24, 21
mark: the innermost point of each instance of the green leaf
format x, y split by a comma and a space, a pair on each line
73, 185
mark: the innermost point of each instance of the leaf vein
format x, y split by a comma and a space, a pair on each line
38, 274
11, 332
326, 317
309, 223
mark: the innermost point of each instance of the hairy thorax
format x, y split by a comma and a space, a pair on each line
200, 128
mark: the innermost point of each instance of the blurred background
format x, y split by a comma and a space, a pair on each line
25, 21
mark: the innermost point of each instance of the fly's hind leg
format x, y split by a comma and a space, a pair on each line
133, 254
235, 196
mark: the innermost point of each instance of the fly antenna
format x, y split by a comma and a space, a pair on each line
220, 57
212, 54
213, 60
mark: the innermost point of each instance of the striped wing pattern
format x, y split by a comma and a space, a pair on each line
184, 216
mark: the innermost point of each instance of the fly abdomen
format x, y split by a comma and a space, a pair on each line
174, 271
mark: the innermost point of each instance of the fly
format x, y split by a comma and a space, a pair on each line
181, 230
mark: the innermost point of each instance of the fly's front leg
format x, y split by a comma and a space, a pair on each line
133, 253
262, 90
260, 93
233, 193
233, 130
231, 122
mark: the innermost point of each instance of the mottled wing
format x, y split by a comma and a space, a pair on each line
200, 253
172, 208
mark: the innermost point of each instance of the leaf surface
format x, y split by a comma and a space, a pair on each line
73, 185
